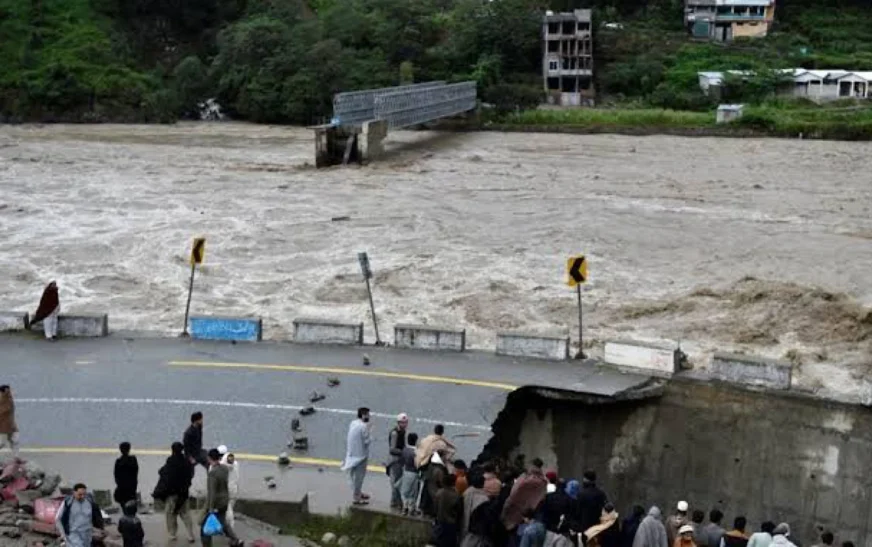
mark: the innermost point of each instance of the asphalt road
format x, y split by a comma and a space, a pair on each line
96, 393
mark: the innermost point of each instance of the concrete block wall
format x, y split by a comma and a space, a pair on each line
324, 331
83, 325
11, 321
658, 359
531, 345
751, 371
429, 337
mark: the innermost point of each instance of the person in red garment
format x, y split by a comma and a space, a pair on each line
49, 308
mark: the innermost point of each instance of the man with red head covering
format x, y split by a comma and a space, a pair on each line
49, 308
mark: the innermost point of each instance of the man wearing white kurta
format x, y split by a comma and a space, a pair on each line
357, 454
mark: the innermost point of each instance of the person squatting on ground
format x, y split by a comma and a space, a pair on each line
77, 518
126, 475
193, 442
217, 499
48, 310
357, 454
130, 527
410, 483
396, 444
8, 426
173, 487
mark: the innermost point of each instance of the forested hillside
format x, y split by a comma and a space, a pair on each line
281, 60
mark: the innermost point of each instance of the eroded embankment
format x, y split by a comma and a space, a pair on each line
763, 455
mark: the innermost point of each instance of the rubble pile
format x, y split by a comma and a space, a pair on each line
30, 497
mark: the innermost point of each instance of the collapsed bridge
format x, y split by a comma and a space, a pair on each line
361, 119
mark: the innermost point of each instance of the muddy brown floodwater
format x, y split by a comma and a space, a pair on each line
757, 245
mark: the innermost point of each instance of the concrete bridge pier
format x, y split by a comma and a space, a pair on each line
338, 145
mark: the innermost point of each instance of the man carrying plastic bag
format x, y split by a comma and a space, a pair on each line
214, 521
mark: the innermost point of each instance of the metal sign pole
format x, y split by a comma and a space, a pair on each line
372, 309
580, 346
365, 269
190, 291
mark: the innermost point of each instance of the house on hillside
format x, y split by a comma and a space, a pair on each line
567, 58
724, 20
816, 85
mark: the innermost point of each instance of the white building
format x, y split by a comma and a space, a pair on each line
817, 85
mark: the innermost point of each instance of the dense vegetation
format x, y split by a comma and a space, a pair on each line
281, 60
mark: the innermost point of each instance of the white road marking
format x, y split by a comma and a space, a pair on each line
227, 404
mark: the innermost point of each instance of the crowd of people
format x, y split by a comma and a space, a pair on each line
502, 504
79, 514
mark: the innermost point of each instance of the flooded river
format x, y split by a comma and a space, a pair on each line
744, 244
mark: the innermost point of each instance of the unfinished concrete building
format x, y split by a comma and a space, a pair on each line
567, 61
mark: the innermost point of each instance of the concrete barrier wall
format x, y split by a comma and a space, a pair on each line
11, 321
323, 331
83, 325
751, 371
531, 345
658, 359
245, 329
429, 337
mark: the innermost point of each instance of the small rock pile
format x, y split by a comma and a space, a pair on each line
24, 486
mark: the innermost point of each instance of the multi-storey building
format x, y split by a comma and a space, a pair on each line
724, 20
567, 59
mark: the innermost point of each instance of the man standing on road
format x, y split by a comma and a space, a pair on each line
8, 427
357, 454
218, 498
48, 310
193, 442
396, 444
77, 518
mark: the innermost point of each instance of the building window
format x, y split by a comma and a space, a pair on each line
553, 65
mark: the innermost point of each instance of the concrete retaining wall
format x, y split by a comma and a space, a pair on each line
281, 514
751, 371
658, 359
11, 321
245, 329
429, 337
531, 345
769, 456
83, 325
323, 331
395, 528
